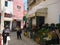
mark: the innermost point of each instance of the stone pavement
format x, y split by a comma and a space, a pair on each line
24, 41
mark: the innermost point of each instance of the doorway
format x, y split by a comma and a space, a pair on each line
7, 23
40, 20
19, 23
15, 24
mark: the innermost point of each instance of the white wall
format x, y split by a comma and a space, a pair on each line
9, 9
53, 12
2, 13
2, 4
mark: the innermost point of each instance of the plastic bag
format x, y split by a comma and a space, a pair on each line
8, 38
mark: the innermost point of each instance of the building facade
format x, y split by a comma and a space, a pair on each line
18, 13
8, 13
1, 21
1, 14
44, 11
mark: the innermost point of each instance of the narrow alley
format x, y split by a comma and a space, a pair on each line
24, 41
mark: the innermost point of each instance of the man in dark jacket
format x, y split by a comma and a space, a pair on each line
5, 33
20, 31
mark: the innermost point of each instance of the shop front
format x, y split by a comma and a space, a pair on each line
16, 23
36, 20
8, 22
39, 17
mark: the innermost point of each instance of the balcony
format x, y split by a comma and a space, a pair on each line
8, 15
31, 2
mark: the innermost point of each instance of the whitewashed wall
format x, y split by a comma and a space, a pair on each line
53, 11
2, 4
2, 13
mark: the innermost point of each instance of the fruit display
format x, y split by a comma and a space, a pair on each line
40, 35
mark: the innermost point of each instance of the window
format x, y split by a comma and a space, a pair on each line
18, 7
6, 3
8, 15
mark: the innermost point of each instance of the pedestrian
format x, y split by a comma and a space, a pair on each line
17, 29
5, 33
55, 38
20, 32
57, 34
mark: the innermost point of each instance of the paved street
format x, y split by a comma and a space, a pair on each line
24, 41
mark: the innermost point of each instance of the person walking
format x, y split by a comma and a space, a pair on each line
17, 29
5, 33
20, 32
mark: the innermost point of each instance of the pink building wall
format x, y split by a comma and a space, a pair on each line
18, 14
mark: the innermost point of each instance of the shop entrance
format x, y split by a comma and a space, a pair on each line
40, 20
15, 24
6, 23
18, 23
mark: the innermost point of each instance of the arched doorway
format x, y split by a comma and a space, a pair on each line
15, 24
